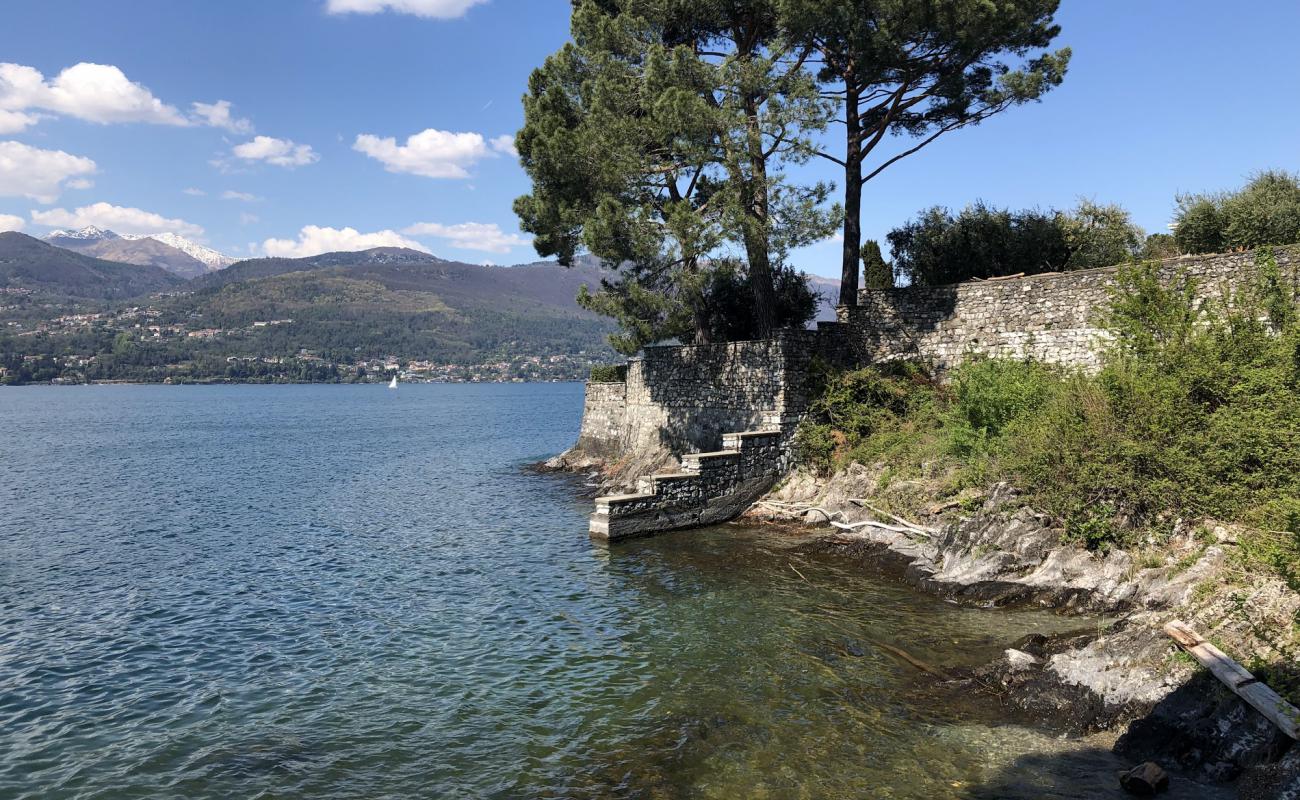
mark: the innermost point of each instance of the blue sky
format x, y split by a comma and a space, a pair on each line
1163, 96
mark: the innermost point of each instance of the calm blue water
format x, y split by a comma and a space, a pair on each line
344, 591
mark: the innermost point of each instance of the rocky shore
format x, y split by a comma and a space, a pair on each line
1125, 676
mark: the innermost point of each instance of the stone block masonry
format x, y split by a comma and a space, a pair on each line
721, 417
710, 488
1050, 318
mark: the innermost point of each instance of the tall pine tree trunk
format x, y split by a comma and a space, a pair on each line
756, 227
852, 198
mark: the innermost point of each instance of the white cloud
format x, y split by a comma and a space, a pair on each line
246, 218
218, 116
16, 121
433, 9
314, 240
27, 171
80, 183
97, 93
193, 192
116, 218
280, 152
93, 92
231, 194
505, 144
470, 236
431, 152
8, 222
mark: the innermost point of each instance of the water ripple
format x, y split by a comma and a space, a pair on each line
338, 592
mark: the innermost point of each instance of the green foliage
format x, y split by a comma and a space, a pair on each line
1194, 414
863, 413
907, 70
1199, 225
1266, 211
1099, 236
876, 271
983, 242
609, 373
1150, 318
988, 395
655, 140
727, 299
980, 242
1158, 246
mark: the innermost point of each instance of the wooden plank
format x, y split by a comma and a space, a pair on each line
1237, 678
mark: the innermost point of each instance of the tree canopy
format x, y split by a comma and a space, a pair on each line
658, 138
939, 247
918, 69
654, 141
1266, 211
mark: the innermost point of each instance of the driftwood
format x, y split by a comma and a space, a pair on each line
870, 523
795, 508
1233, 675
912, 526
909, 658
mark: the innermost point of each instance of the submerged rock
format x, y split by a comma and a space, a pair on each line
1145, 780
1122, 670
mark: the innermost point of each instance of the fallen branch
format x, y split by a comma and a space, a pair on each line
796, 508
1233, 675
909, 658
906, 523
870, 523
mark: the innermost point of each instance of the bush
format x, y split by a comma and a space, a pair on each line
1099, 236
1194, 414
609, 373
728, 301
984, 242
863, 412
1266, 211
980, 242
988, 395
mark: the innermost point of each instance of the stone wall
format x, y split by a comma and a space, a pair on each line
680, 404
1049, 317
682, 399
604, 418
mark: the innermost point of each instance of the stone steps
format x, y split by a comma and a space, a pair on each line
711, 487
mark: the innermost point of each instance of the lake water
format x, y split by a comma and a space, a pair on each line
346, 591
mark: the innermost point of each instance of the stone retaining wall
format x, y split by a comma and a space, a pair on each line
1051, 318
680, 403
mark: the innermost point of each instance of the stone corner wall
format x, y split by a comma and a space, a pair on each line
604, 418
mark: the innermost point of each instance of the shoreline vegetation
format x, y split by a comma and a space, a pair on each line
1191, 424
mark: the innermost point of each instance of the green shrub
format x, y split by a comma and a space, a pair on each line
1194, 414
863, 411
609, 373
988, 394
1266, 211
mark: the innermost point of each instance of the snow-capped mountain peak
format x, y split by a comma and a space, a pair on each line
209, 257
90, 233
93, 240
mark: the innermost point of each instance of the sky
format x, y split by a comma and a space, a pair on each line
296, 127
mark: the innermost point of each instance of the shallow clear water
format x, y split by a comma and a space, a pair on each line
333, 591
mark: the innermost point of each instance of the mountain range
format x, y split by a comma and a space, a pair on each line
58, 273
171, 252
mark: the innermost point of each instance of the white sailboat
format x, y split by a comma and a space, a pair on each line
393, 383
